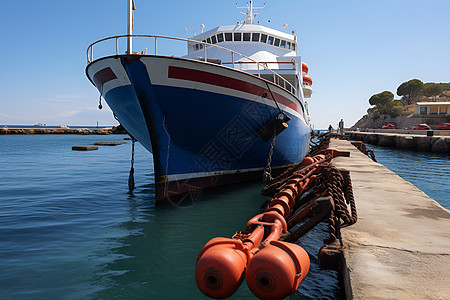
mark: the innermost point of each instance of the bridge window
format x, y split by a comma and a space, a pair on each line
277, 42
293, 47
255, 37
214, 39
270, 40
246, 37
283, 44
263, 38
220, 37
228, 36
237, 36
208, 40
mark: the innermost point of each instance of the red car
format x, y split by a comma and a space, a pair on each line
388, 126
445, 126
420, 127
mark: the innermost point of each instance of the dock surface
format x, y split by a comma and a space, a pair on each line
400, 246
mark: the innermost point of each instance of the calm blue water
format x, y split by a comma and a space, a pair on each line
430, 172
69, 228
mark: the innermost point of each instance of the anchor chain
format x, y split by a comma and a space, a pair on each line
267, 176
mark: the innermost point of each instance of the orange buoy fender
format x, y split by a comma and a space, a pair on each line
305, 67
220, 267
307, 161
276, 271
307, 79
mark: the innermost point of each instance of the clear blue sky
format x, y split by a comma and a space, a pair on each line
354, 49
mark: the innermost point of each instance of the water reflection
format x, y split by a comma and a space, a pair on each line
155, 258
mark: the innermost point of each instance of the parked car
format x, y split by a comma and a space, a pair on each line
388, 126
443, 126
420, 127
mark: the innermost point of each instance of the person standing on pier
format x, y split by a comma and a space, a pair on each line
341, 126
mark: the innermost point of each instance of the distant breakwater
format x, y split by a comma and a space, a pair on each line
86, 131
420, 142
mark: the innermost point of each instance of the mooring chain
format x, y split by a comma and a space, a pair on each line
362, 147
350, 197
276, 184
331, 229
267, 176
337, 184
324, 143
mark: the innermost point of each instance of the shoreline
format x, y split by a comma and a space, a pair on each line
100, 131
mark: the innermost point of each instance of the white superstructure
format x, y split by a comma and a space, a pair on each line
274, 49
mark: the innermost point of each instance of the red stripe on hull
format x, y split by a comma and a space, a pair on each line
103, 76
226, 82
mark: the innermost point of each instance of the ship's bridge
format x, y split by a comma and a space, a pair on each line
274, 49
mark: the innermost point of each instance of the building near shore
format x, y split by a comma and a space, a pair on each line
432, 108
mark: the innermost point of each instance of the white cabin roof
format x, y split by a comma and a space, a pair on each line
247, 39
246, 28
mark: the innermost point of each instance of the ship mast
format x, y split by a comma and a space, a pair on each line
249, 14
130, 20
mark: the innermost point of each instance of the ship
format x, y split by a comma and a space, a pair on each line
232, 109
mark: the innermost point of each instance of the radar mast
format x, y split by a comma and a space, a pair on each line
249, 16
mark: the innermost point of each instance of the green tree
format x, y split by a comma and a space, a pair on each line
396, 111
432, 89
410, 90
383, 101
398, 103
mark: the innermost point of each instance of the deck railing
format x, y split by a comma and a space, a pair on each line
277, 78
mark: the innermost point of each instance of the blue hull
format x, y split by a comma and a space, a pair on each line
201, 137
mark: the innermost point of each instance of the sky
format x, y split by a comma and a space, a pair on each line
354, 49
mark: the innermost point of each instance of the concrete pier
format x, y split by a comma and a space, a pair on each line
400, 246
420, 141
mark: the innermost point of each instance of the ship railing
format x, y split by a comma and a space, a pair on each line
277, 78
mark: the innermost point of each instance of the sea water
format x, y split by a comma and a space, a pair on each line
70, 228
430, 172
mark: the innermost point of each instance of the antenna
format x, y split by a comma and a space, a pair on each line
249, 16
202, 26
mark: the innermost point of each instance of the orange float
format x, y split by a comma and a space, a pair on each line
273, 269
276, 271
220, 267
307, 79
305, 67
